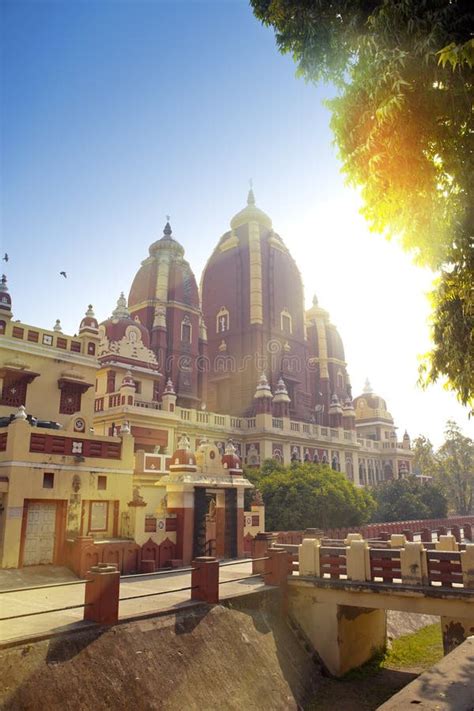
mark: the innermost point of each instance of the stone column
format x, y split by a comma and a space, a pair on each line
102, 594
205, 579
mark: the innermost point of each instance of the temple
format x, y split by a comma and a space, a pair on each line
134, 433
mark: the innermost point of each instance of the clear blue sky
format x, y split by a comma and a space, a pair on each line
117, 113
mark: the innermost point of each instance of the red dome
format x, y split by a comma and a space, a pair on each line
183, 456
115, 330
89, 322
121, 325
231, 459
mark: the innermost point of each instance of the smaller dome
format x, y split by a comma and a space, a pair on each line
281, 393
121, 324
335, 406
89, 322
169, 388
5, 298
166, 243
128, 380
263, 388
183, 454
231, 459
251, 213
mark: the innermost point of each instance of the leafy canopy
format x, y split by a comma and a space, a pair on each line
408, 499
403, 123
455, 469
306, 495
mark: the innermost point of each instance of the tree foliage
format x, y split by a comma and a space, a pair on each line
408, 499
424, 461
455, 469
404, 127
306, 495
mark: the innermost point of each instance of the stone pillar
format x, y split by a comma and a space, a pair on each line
446, 543
358, 560
260, 547
308, 557
205, 579
467, 530
413, 564
397, 540
102, 594
426, 535
276, 567
456, 532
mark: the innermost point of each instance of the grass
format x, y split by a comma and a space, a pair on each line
421, 649
373, 683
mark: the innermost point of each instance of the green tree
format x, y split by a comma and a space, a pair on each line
455, 469
404, 127
305, 495
424, 461
408, 499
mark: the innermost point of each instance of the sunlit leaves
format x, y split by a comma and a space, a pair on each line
404, 127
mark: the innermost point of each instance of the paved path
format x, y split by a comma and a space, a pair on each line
17, 603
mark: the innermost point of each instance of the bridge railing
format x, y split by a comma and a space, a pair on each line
449, 565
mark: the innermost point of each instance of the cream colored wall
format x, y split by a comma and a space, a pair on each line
344, 637
43, 394
25, 471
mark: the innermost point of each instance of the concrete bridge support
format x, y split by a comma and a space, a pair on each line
455, 630
343, 636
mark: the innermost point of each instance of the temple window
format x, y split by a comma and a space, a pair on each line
13, 391
340, 380
111, 381
156, 390
222, 320
138, 387
70, 400
286, 322
186, 330
3, 326
91, 348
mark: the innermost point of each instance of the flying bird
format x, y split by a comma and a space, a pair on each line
63, 274
5, 258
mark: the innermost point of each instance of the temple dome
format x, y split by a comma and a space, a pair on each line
231, 459
183, 454
251, 213
163, 276
369, 405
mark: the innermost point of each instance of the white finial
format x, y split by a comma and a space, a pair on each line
20, 413
169, 389
90, 311
121, 310
367, 387
183, 442
57, 326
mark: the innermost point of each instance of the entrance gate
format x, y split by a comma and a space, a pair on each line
40, 533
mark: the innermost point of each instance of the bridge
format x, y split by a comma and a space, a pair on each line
340, 590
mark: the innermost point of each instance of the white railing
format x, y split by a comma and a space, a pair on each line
277, 423
295, 426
